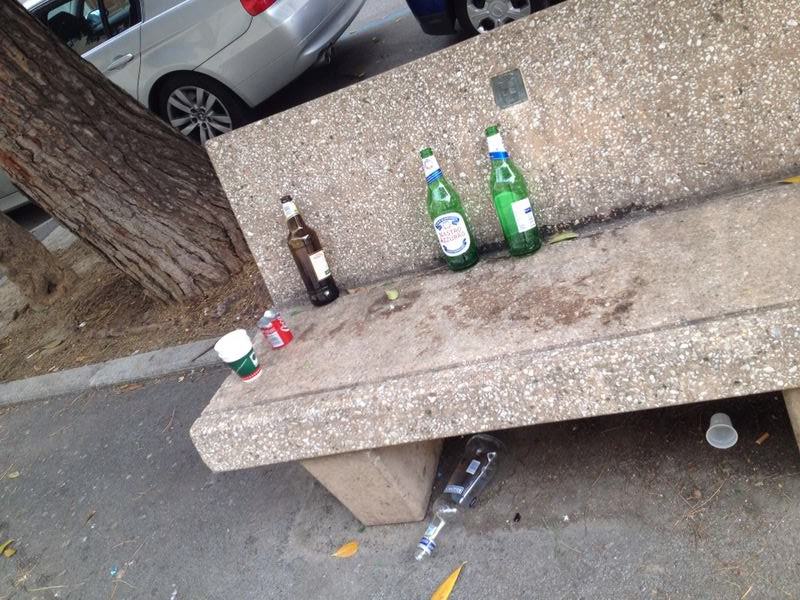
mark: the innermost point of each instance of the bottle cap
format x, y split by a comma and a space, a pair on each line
425, 152
286, 198
492, 130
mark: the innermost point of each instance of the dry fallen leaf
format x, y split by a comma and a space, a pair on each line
12, 475
7, 546
562, 237
346, 551
792, 179
446, 588
129, 387
9, 552
53, 344
89, 517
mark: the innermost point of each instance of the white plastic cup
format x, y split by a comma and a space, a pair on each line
236, 350
721, 433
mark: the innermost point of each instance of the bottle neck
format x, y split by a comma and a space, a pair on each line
432, 171
294, 219
497, 150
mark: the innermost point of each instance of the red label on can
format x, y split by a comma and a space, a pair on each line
278, 334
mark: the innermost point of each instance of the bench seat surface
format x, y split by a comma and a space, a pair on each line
684, 305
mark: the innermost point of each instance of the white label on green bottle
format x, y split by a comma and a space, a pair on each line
321, 269
431, 167
523, 215
452, 233
495, 143
289, 210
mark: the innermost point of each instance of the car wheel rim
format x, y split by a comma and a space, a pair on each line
486, 15
197, 113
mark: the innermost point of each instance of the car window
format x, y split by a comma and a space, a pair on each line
84, 24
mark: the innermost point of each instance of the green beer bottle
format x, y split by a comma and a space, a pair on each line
449, 218
511, 199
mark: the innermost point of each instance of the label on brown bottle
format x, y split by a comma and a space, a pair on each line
289, 210
321, 269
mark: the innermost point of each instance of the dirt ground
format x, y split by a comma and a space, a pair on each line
108, 316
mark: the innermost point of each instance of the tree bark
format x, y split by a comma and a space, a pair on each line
30, 266
136, 190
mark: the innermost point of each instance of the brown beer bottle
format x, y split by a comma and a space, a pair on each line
309, 256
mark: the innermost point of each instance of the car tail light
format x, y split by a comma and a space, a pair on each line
256, 7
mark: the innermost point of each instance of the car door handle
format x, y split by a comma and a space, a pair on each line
119, 62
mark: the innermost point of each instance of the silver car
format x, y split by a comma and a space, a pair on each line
199, 64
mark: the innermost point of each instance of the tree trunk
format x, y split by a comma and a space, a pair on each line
31, 266
120, 179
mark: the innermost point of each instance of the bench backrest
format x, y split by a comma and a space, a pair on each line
630, 104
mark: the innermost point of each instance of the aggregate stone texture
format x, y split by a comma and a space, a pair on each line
637, 102
685, 305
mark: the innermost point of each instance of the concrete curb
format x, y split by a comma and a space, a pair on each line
113, 372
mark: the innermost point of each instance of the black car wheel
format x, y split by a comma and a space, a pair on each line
200, 107
480, 16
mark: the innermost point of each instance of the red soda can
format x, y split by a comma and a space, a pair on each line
274, 329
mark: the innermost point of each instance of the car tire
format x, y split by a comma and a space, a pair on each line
468, 27
199, 106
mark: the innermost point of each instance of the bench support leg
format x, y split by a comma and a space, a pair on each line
382, 485
792, 399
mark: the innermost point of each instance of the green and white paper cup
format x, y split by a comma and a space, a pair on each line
236, 350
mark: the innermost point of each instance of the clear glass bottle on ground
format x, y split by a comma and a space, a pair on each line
511, 198
476, 470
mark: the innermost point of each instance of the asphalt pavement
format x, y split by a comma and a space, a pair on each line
111, 500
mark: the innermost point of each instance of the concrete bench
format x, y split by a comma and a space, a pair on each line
694, 295
694, 304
